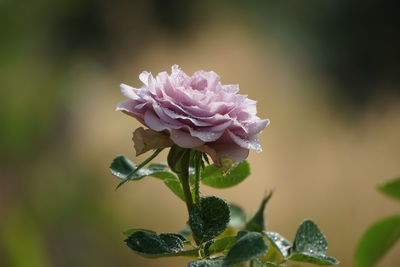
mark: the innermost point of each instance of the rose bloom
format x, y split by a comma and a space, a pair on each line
196, 112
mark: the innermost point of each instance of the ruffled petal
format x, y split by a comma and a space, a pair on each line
165, 118
250, 143
206, 136
144, 77
184, 139
231, 88
233, 152
128, 107
257, 126
179, 77
196, 111
129, 91
194, 121
153, 122
217, 151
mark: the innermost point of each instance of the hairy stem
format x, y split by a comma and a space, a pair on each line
197, 166
184, 178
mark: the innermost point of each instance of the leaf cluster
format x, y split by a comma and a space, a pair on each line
254, 243
380, 237
218, 234
125, 170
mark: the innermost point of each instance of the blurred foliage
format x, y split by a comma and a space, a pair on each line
383, 234
354, 44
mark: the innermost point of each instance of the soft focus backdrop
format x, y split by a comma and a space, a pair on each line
326, 73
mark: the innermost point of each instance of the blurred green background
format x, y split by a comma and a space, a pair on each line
326, 73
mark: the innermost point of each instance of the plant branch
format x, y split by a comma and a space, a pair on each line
184, 178
197, 166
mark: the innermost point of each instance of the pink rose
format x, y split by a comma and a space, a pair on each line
196, 112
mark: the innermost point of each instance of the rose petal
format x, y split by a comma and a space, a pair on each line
179, 77
144, 77
231, 88
153, 122
164, 117
236, 153
129, 91
257, 126
173, 115
183, 139
128, 107
250, 143
196, 111
206, 136
217, 151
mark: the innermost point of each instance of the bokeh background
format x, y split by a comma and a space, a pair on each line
326, 73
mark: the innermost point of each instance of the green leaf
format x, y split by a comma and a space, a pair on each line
176, 187
221, 245
132, 175
238, 216
217, 262
130, 232
207, 246
278, 247
247, 246
163, 175
310, 245
377, 240
257, 222
121, 167
310, 239
279, 242
228, 232
266, 263
321, 260
214, 177
126, 170
208, 219
158, 166
271, 264
185, 231
151, 245
391, 188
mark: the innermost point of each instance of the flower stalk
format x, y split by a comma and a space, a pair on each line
184, 179
198, 116
197, 165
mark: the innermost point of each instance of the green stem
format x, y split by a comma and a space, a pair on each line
184, 178
141, 165
197, 166
201, 251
